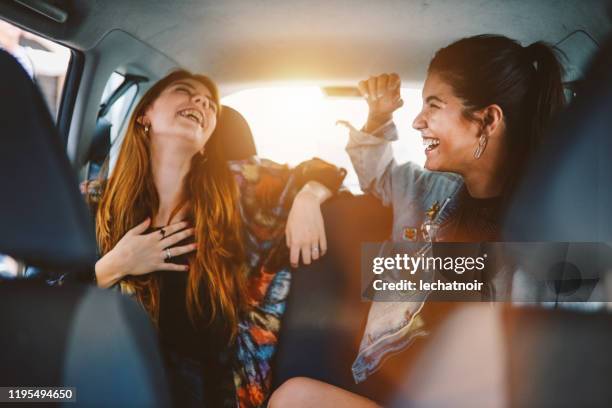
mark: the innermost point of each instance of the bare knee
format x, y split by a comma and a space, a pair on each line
292, 393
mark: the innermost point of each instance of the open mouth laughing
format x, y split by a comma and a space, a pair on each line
193, 115
430, 143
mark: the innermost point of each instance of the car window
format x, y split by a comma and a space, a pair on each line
117, 99
118, 111
45, 61
293, 124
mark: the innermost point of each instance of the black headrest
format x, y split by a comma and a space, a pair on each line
43, 217
101, 142
236, 134
566, 194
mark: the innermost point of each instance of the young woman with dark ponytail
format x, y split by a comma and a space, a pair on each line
486, 103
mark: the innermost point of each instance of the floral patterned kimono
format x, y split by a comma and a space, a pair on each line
267, 191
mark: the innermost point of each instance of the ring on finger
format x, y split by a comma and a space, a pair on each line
315, 249
168, 256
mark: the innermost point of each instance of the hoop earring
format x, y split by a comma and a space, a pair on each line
482, 144
204, 156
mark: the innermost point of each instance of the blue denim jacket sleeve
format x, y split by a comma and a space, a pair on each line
372, 158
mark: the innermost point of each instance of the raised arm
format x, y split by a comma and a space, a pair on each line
370, 148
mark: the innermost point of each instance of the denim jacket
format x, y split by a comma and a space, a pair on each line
411, 191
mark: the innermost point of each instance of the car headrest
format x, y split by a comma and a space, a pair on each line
43, 217
101, 141
236, 134
566, 194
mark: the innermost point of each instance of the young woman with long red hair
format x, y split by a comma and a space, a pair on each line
201, 242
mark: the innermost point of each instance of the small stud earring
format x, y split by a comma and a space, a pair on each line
482, 144
147, 127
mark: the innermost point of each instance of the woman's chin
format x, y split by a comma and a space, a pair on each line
431, 164
435, 161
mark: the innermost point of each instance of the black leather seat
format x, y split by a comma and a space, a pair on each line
324, 316
236, 134
43, 218
97, 341
73, 335
566, 194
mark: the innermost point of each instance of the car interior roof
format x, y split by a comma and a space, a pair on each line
341, 41
245, 44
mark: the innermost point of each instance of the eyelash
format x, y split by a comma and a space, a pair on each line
431, 105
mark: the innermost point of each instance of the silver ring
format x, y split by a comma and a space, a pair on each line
315, 249
168, 256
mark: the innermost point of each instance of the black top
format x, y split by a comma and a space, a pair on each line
476, 219
203, 342
176, 330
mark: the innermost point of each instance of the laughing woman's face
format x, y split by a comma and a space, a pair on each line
183, 116
449, 138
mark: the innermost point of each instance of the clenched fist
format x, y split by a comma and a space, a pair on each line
382, 93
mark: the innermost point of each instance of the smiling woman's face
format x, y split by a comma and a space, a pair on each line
184, 116
449, 138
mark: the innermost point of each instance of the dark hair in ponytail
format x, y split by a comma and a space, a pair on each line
526, 83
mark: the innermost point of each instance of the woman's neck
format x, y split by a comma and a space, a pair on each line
169, 172
487, 180
481, 186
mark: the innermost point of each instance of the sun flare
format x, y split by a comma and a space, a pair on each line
295, 123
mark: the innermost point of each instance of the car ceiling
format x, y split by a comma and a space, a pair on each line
341, 40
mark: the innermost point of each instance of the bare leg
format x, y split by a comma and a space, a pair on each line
305, 392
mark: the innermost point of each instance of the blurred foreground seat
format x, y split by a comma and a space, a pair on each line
73, 335
499, 356
95, 340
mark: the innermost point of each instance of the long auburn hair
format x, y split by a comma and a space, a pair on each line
216, 270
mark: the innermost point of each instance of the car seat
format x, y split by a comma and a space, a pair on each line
74, 335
